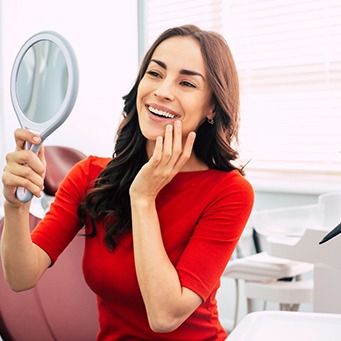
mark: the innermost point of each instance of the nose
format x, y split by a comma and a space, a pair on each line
165, 91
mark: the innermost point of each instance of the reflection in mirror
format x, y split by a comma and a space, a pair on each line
42, 72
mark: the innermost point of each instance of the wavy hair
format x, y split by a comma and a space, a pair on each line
109, 199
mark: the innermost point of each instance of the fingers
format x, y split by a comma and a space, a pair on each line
22, 136
177, 142
12, 181
156, 157
26, 157
41, 156
189, 145
168, 158
23, 167
169, 151
24, 161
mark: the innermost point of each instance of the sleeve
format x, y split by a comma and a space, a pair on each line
215, 238
61, 223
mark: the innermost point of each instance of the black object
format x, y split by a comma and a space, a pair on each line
333, 233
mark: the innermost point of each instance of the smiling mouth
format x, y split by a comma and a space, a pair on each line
160, 113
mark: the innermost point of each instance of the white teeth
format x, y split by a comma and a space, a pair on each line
161, 112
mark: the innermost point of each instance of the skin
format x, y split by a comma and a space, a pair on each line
22, 269
176, 83
187, 96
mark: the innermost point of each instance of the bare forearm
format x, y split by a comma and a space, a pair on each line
167, 303
23, 263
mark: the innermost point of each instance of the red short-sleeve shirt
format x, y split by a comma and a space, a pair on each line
202, 215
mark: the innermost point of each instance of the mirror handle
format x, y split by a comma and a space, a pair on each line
22, 194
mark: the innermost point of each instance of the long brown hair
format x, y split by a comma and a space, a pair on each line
109, 199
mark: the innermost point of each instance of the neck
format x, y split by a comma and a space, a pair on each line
193, 163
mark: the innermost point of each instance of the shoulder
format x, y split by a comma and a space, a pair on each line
92, 165
233, 176
83, 173
232, 179
215, 180
232, 185
214, 185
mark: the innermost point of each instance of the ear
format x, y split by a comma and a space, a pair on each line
210, 117
211, 114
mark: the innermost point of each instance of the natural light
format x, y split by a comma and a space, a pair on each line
288, 55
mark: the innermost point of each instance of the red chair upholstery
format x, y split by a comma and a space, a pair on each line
61, 307
59, 161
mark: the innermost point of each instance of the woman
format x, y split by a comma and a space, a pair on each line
163, 215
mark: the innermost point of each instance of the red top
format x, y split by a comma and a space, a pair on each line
202, 215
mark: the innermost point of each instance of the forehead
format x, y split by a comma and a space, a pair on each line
181, 53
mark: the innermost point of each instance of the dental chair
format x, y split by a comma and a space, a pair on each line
272, 279
61, 307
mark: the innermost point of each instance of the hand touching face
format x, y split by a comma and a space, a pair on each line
168, 158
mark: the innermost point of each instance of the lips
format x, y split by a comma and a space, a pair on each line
161, 113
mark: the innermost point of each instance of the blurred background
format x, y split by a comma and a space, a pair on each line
288, 55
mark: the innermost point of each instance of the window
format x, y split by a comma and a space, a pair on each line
160, 15
288, 55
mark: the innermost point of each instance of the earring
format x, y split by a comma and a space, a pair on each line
210, 120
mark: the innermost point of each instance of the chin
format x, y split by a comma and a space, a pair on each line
152, 134
151, 131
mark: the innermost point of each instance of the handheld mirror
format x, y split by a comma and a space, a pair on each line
44, 87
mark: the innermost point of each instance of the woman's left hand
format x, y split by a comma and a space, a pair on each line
168, 158
167, 303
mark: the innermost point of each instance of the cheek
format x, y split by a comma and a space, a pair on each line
196, 111
192, 124
138, 99
142, 92
195, 116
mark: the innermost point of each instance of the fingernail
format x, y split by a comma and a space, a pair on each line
36, 138
178, 124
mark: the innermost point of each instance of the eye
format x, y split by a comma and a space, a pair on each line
188, 84
153, 74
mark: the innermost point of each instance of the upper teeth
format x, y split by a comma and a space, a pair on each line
161, 112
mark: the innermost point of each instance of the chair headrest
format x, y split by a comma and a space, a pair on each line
59, 162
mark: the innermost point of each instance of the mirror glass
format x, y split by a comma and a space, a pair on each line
42, 81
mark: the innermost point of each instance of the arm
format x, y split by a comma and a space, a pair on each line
168, 304
23, 262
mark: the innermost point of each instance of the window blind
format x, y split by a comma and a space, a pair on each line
288, 55
161, 15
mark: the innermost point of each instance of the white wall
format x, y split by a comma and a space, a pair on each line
104, 37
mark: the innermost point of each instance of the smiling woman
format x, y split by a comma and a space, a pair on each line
288, 55
174, 84
163, 216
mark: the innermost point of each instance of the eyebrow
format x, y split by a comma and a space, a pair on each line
182, 71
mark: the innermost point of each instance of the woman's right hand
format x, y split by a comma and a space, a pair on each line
23, 167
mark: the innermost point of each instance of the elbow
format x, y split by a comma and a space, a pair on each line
163, 323
18, 286
161, 327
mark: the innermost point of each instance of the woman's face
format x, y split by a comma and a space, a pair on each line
174, 87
